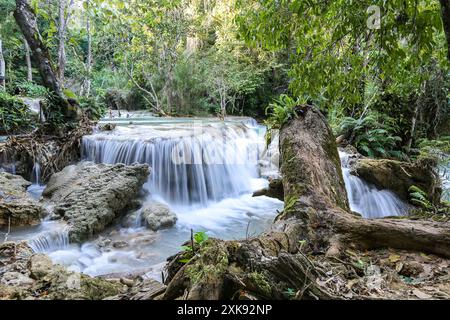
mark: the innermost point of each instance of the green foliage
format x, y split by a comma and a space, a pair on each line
199, 239
290, 293
426, 207
439, 146
281, 110
14, 115
419, 198
373, 135
399, 69
94, 108
31, 89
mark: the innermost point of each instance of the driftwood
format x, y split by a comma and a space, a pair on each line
52, 152
316, 222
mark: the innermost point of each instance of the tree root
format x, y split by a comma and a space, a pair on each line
52, 152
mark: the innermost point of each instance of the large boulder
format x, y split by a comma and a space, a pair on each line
17, 208
90, 196
158, 216
24, 275
399, 176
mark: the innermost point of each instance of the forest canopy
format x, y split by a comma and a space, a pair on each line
379, 69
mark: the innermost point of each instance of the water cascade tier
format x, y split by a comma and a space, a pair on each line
366, 198
194, 162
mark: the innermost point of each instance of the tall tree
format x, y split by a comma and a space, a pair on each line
86, 87
445, 12
26, 19
64, 17
2, 68
28, 60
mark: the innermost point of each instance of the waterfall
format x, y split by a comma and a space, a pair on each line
270, 159
366, 198
50, 241
191, 163
444, 172
36, 174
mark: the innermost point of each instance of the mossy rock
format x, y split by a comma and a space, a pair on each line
399, 176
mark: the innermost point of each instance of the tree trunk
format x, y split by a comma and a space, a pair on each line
89, 54
62, 40
2, 68
28, 61
316, 219
445, 13
27, 21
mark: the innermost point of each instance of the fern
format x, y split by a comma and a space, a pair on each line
374, 135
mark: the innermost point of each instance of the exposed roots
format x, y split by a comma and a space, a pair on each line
53, 151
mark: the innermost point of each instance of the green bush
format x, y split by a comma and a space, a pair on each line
14, 115
374, 135
32, 90
92, 107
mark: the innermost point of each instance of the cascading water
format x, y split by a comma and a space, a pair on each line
204, 170
36, 173
50, 241
444, 172
36, 189
191, 164
367, 199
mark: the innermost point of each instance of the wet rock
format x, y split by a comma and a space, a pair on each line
158, 216
17, 208
107, 127
399, 176
119, 244
90, 196
274, 190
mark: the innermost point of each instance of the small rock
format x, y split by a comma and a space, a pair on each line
16, 279
107, 127
127, 282
411, 269
119, 244
17, 208
274, 190
158, 216
39, 265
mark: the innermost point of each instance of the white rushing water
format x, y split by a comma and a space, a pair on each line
195, 162
36, 189
366, 198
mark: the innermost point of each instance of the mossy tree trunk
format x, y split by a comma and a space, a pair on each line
2, 68
27, 21
445, 13
316, 219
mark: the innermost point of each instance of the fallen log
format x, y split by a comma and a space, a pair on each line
316, 222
